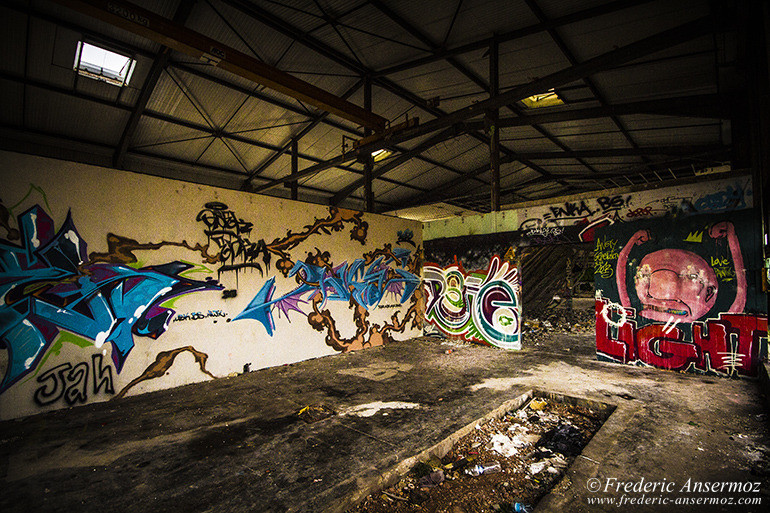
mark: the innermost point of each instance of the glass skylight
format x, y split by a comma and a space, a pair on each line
546, 99
102, 64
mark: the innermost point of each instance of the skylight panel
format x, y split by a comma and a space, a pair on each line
546, 99
101, 64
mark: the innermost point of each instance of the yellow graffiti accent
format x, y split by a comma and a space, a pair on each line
694, 237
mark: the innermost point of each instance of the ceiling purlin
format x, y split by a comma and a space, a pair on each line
332, 22
394, 163
236, 32
485, 86
180, 66
659, 170
443, 193
297, 137
442, 53
229, 171
646, 46
217, 131
412, 98
159, 64
565, 50
197, 45
192, 70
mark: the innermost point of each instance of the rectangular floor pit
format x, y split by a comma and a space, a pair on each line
534, 438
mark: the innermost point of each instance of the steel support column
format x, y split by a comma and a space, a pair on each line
367, 158
294, 185
493, 116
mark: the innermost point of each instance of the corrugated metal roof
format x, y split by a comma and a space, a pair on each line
193, 103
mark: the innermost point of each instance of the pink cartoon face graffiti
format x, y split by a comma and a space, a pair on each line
674, 283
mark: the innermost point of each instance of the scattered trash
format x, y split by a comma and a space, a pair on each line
459, 464
478, 470
433, 479
538, 404
503, 464
503, 445
370, 409
313, 413
564, 438
537, 467
516, 507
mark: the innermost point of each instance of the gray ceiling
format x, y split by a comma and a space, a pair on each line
645, 84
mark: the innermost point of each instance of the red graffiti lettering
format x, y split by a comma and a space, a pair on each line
729, 345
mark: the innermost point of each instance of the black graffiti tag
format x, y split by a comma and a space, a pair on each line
231, 235
71, 382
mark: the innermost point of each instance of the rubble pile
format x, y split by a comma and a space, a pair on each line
563, 321
503, 465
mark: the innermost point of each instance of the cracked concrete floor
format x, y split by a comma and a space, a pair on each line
235, 444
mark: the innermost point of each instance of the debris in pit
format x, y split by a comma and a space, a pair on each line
564, 438
536, 436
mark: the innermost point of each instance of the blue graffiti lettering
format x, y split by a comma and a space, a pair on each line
366, 285
47, 284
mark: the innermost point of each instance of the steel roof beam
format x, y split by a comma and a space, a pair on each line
598, 64
295, 138
698, 106
197, 72
160, 62
565, 50
269, 19
638, 49
442, 54
622, 152
176, 121
94, 159
415, 32
442, 193
394, 163
181, 66
162, 30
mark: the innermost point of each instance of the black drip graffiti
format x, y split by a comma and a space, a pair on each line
71, 383
231, 235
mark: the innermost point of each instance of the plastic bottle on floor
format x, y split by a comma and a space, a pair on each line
477, 470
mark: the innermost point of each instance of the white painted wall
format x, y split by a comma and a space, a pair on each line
707, 195
152, 210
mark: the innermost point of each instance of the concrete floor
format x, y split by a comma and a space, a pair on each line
235, 445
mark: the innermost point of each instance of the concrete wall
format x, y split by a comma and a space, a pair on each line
116, 283
575, 219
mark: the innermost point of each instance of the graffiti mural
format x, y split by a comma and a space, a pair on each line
49, 284
479, 306
681, 295
578, 221
362, 284
230, 234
